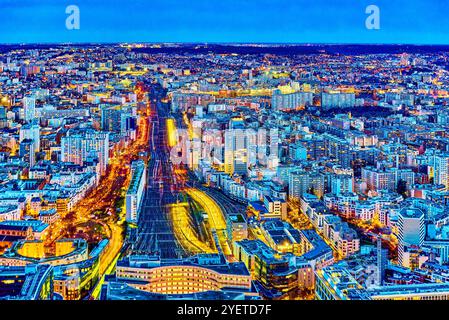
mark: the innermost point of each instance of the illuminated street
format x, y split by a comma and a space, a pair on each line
104, 197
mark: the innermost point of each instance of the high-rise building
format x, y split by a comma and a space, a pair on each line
441, 169
111, 118
290, 101
79, 145
399, 98
27, 151
273, 142
411, 230
381, 261
117, 119
296, 184
29, 108
31, 132
337, 100
386, 178
337, 148
341, 183
134, 195
305, 182
235, 151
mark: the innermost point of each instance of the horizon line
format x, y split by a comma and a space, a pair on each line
226, 43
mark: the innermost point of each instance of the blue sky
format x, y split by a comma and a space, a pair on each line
277, 21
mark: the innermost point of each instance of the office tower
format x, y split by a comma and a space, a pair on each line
262, 146
117, 119
78, 145
228, 152
29, 108
396, 153
235, 151
212, 146
253, 147
31, 132
411, 230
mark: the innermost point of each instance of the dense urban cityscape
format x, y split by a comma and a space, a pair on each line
224, 172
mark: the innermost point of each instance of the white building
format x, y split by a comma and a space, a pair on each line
411, 230
29, 108
78, 146
31, 132
134, 195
